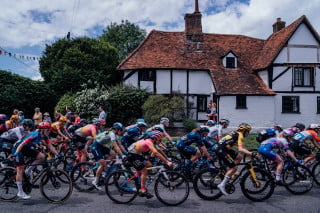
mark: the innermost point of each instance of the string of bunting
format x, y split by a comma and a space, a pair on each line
5, 53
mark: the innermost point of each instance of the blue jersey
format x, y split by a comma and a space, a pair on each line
192, 138
32, 139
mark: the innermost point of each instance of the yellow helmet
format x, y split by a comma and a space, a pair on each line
63, 119
14, 117
244, 127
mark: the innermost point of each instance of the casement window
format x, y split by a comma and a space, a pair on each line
241, 102
290, 104
303, 76
147, 75
230, 62
318, 104
201, 103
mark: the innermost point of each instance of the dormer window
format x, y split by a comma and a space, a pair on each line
230, 60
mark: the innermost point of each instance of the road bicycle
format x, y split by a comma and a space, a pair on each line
171, 188
55, 184
256, 183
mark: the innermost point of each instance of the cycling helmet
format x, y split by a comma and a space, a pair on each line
141, 124
44, 125
14, 117
63, 119
204, 129
133, 132
158, 128
164, 120
244, 127
96, 121
155, 135
301, 126
211, 122
278, 127
140, 120
28, 123
118, 126
224, 121
314, 126
3, 117
83, 121
287, 133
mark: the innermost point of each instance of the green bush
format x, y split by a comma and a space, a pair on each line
189, 124
66, 100
158, 106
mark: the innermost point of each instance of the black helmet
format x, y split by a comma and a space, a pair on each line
204, 129
28, 123
301, 126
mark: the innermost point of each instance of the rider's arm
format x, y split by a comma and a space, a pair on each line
205, 151
167, 136
240, 146
117, 147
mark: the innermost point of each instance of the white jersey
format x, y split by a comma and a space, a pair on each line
215, 131
14, 134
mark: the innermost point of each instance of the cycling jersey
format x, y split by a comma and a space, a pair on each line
267, 133
106, 138
192, 138
32, 139
57, 126
14, 134
142, 146
88, 130
267, 146
3, 128
215, 131
231, 139
303, 136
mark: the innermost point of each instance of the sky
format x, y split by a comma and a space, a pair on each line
27, 26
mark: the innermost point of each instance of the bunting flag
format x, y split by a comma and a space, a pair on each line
5, 53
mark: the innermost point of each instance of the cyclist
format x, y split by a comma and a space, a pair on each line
281, 143
229, 156
269, 133
298, 127
132, 133
8, 138
13, 122
3, 127
25, 148
216, 129
138, 161
58, 129
196, 136
100, 148
84, 137
164, 122
74, 127
300, 139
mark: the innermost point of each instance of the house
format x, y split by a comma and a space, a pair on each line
261, 82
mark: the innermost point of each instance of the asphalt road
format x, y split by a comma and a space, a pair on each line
96, 202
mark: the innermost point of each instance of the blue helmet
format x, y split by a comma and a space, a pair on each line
28, 123
141, 124
118, 126
204, 129
133, 132
211, 122
140, 120
3, 117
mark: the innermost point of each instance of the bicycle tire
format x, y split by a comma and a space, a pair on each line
82, 175
8, 187
316, 173
260, 190
205, 183
297, 179
171, 183
122, 186
56, 186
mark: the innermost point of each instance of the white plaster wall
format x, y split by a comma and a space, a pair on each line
317, 78
284, 82
303, 55
148, 85
163, 81
200, 82
264, 76
259, 113
303, 36
133, 80
282, 57
180, 81
308, 110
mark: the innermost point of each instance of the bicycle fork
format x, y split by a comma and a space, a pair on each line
253, 175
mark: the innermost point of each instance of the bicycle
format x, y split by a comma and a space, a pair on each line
83, 173
55, 184
171, 188
256, 183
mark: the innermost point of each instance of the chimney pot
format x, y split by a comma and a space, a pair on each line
278, 25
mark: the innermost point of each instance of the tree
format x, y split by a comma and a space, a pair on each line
67, 64
125, 37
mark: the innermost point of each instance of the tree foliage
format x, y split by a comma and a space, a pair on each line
67, 64
125, 37
158, 106
24, 94
66, 100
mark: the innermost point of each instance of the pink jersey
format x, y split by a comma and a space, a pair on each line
88, 130
144, 146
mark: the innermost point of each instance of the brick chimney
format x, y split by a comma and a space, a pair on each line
278, 25
193, 26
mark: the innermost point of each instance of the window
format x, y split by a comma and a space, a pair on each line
202, 103
230, 62
147, 75
241, 102
303, 76
290, 104
318, 104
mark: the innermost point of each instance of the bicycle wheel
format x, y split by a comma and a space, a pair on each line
205, 183
171, 188
56, 186
316, 173
297, 179
122, 186
8, 186
260, 189
82, 175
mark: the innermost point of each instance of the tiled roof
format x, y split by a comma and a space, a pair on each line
170, 50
